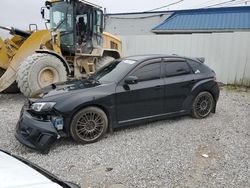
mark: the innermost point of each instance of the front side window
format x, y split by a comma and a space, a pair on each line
176, 68
149, 72
198, 67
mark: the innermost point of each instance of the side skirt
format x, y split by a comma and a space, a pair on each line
155, 117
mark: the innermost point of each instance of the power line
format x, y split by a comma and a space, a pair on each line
231, 3
177, 2
240, 2
205, 3
219, 4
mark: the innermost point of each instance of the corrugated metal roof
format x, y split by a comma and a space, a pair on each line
213, 19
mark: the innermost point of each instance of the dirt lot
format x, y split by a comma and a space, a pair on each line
181, 152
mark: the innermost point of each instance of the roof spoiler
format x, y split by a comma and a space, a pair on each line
201, 59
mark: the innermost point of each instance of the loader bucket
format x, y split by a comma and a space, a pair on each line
29, 47
4, 58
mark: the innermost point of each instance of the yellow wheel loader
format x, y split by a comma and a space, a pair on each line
75, 46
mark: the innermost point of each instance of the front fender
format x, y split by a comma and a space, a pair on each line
71, 107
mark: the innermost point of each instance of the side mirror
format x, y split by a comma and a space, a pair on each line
43, 13
131, 80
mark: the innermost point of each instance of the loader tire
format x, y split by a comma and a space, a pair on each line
103, 61
38, 71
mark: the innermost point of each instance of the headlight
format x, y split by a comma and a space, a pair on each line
43, 106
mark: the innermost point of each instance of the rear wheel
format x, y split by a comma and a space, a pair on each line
203, 105
89, 125
103, 61
38, 71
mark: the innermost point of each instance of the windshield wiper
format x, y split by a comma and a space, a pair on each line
92, 79
62, 21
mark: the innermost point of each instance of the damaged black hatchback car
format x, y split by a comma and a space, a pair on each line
126, 91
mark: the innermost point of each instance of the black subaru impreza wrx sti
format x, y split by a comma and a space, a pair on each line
126, 91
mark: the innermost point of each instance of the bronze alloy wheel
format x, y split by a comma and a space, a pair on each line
203, 105
89, 125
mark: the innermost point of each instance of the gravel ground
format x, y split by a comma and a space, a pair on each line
182, 152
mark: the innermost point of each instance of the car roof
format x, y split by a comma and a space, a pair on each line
145, 57
23, 175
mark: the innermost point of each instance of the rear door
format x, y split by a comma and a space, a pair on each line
179, 80
144, 99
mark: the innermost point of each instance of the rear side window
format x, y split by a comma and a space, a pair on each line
198, 67
148, 72
176, 68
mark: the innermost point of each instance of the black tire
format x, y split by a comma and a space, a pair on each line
203, 105
89, 125
38, 71
103, 61
13, 87
2, 71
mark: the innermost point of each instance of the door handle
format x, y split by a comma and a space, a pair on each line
192, 81
158, 87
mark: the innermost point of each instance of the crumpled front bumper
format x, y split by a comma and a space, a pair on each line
35, 133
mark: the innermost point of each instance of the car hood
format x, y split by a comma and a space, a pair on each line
14, 173
64, 87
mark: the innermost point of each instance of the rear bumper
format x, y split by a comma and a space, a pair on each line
216, 95
36, 134
216, 91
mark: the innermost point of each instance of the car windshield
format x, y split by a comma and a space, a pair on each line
29, 168
114, 71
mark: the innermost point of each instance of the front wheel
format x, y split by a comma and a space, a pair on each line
89, 125
203, 105
38, 71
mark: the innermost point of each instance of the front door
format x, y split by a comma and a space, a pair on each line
143, 99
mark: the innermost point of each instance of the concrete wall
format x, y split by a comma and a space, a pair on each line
134, 24
227, 53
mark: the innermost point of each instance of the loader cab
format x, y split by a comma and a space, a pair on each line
80, 25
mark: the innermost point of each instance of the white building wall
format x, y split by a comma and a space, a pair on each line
134, 24
227, 53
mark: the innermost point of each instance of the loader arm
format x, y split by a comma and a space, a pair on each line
31, 44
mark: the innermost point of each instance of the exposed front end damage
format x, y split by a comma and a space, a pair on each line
39, 131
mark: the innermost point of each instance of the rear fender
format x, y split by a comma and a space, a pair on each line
29, 47
203, 85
